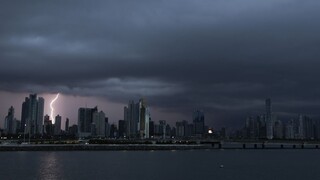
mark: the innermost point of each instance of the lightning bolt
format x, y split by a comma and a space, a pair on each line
52, 108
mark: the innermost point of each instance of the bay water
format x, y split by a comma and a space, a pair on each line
159, 165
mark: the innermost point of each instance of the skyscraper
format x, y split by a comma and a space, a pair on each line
85, 119
162, 128
269, 119
40, 113
289, 133
308, 128
137, 117
181, 128
113, 131
48, 127
131, 116
32, 115
66, 127
10, 122
299, 126
198, 121
57, 125
100, 123
107, 127
24, 116
278, 129
122, 128
144, 117
151, 129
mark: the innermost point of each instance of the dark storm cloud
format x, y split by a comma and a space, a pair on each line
222, 56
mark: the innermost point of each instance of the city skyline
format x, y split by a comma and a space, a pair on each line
49, 105
137, 123
222, 57
269, 115
73, 115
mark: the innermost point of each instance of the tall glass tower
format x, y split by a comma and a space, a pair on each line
32, 115
198, 121
269, 119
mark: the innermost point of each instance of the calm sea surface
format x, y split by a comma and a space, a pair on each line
153, 165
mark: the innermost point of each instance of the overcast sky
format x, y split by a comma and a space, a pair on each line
224, 57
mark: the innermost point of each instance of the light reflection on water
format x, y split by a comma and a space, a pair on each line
49, 167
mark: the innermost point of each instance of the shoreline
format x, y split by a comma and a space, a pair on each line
99, 147
153, 147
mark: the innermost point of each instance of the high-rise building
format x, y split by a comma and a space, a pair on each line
298, 128
122, 128
151, 129
269, 119
18, 125
107, 127
99, 121
181, 128
73, 130
93, 129
162, 128
137, 117
301, 127
198, 121
85, 119
157, 132
48, 127
24, 116
173, 132
32, 115
127, 119
261, 123
190, 130
144, 117
168, 130
10, 122
113, 131
308, 128
40, 113
278, 130
66, 127
131, 116
251, 128
57, 125
289, 133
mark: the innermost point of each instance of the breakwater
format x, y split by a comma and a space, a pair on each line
259, 145
156, 147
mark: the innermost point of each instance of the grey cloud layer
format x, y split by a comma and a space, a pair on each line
222, 56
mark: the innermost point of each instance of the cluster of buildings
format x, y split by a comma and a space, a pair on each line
268, 126
136, 123
33, 123
31, 117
